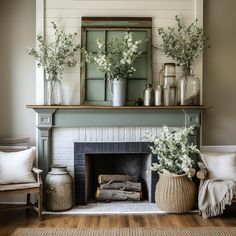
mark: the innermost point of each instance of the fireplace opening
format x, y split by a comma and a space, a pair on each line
117, 164
128, 158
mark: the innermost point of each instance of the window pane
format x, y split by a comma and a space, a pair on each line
92, 36
140, 35
141, 68
135, 89
95, 90
114, 34
92, 72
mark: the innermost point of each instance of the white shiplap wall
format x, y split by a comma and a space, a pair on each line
67, 14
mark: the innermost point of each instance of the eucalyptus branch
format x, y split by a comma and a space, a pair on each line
54, 56
184, 43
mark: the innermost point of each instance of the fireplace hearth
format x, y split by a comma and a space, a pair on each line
127, 158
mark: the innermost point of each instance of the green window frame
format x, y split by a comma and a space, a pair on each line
95, 89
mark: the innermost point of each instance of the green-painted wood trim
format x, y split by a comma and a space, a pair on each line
44, 153
118, 118
45, 117
44, 149
45, 123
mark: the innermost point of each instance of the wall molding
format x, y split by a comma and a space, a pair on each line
40, 14
199, 63
221, 148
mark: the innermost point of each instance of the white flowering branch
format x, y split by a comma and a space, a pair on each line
117, 57
173, 151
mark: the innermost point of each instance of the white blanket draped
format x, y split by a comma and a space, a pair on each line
214, 195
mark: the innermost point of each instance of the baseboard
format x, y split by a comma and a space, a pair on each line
13, 203
223, 148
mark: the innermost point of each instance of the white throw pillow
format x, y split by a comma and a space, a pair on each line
16, 167
220, 165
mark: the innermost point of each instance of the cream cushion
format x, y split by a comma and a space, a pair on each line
220, 165
16, 167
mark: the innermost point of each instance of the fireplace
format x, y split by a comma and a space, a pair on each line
64, 133
129, 158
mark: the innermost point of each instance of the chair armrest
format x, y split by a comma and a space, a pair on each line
38, 173
202, 174
36, 170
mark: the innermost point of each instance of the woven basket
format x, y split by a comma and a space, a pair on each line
175, 194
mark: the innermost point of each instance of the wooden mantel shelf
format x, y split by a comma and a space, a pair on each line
115, 108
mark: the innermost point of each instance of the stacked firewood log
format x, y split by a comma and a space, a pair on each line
118, 188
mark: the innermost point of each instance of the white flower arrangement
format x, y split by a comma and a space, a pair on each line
173, 151
54, 56
117, 57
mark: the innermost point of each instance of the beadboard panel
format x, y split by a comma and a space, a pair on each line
67, 15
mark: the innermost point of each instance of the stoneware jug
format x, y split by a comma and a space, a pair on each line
58, 189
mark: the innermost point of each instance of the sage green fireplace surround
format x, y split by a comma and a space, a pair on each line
94, 116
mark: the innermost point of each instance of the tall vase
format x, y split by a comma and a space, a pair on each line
175, 194
118, 92
188, 86
53, 91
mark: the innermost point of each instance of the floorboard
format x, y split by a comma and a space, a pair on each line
11, 219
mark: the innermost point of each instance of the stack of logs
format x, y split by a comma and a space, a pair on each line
118, 188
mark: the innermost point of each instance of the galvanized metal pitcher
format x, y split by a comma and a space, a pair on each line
118, 92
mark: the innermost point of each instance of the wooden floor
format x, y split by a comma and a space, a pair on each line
11, 219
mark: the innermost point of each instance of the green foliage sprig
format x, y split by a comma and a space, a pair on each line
173, 151
117, 57
184, 43
54, 56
